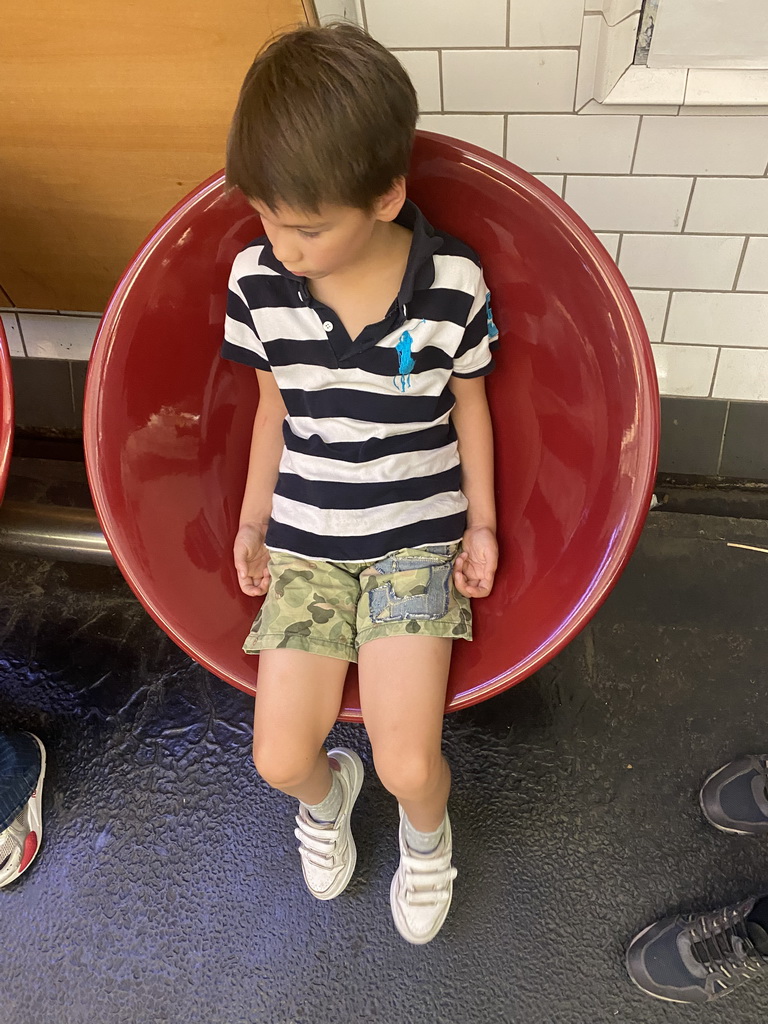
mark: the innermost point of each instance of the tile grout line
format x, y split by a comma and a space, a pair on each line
689, 204
440, 79
722, 439
508, 23
618, 174
667, 311
714, 374
498, 48
740, 263
637, 143
712, 344
364, 15
618, 248
560, 112
504, 137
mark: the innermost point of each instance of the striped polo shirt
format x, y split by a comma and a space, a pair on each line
370, 462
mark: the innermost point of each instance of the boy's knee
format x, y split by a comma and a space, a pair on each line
282, 765
409, 775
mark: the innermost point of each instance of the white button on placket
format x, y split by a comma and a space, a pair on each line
327, 326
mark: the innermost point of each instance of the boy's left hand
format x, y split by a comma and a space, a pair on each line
475, 568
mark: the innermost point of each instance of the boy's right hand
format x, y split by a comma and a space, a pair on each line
251, 560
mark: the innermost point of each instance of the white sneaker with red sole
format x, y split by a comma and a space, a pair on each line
20, 842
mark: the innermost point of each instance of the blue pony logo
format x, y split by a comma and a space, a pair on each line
405, 361
493, 330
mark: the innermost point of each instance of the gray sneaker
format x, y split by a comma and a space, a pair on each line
328, 853
699, 957
735, 797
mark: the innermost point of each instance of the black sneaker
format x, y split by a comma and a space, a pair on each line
735, 797
699, 957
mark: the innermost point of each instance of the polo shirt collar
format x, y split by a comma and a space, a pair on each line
424, 244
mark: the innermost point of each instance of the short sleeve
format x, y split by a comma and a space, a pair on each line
474, 356
241, 342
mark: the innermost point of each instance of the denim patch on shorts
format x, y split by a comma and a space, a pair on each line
332, 608
407, 594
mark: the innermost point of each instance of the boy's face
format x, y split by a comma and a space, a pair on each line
317, 245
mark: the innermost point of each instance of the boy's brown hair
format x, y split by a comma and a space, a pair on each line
325, 115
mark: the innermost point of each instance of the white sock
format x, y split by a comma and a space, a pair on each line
326, 812
423, 842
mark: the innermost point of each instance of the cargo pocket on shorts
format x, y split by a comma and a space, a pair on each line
413, 591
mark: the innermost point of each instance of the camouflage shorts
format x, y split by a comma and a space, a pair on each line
333, 608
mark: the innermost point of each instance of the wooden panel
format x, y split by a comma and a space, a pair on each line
109, 114
4, 300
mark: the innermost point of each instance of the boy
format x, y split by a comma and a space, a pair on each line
371, 458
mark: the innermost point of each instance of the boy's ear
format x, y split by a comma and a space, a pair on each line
390, 204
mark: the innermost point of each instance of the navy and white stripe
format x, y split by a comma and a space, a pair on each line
370, 462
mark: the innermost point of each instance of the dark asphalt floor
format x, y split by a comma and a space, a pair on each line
168, 890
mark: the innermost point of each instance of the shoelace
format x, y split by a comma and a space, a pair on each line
721, 943
426, 879
316, 843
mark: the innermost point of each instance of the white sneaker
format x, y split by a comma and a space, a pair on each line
20, 842
328, 853
422, 888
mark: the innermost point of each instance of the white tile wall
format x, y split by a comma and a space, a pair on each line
12, 334
617, 10
531, 80
486, 130
680, 261
63, 337
437, 23
653, 309
685, 370
588, 54
754, 270
731, 205
557, 143
339, 10
423, 67
611, 243
554, 181
614, 54
702, 145
715, 86
544, 23
719, 318
630, 203
593, 107
742, 374
723, 111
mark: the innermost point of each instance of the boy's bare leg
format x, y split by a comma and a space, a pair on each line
297, 701
402, 694
298, 696
402, 691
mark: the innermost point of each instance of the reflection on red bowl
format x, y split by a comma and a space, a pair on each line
574, 402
